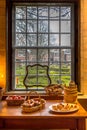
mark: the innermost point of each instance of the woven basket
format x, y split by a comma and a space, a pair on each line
28, 109
54, 89
15, 102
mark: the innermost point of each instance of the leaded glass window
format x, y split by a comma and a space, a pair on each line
43, 33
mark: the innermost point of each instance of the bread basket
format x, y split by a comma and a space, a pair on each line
54, 89
33, 104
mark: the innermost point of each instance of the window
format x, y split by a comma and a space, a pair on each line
42, 33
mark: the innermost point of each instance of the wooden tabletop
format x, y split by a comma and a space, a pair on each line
16, 112
12, 118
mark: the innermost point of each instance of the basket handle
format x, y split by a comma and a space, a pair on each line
33, 92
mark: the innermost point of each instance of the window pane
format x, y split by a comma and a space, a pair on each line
65, 26
65, 12
54, 69
31, 26
31, 12
20, 55
66, 68
54, 55
54, 79
19, 82
20, 26
54, 39
54, 72
42, 40
31, 77
20, 39
43, 55
31, 55
43, 26
66, 55
65, 79
20, 68
31, 40
54, 12
54, 26
65, 40
21, 12
43, 12
43, 80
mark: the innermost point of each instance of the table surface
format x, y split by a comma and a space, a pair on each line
16, 112
12, 118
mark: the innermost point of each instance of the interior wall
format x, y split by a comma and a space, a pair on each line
2, 43
83, 44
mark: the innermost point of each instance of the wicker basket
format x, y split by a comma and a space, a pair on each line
54, 89
27, 108
15, 102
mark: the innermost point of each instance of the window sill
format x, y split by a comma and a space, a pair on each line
24, 93
43, 95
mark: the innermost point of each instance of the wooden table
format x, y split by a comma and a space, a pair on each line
13, 118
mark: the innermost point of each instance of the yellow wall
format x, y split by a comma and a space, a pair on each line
83, 35
83, 42
2, 43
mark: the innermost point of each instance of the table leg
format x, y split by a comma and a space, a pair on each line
81, 124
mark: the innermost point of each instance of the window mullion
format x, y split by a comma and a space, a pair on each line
60, 44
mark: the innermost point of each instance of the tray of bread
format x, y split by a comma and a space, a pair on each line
64, 107
33, 104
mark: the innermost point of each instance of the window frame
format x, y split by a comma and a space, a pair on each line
9, 4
